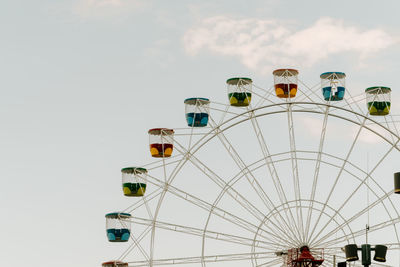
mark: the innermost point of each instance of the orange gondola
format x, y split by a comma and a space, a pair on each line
285, 81
161, 142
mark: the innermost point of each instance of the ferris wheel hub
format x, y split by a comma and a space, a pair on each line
305, 257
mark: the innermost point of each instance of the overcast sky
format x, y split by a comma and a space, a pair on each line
83, 80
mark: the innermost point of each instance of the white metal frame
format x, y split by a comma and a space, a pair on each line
288, 224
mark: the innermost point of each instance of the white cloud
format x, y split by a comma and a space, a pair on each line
106, 8
261, 44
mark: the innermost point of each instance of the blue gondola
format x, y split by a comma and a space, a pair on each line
118, 226
197, 111
333, 85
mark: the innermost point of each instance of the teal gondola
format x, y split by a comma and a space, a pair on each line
333, 85
197, 111
118, 226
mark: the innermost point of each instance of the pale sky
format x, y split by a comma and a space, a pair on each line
83, 80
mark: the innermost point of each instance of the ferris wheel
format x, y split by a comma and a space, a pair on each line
290, 175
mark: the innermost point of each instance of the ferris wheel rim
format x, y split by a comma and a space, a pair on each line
212, 133
345, 221
325, 162
200, 143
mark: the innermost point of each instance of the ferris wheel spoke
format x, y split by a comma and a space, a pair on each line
333, 250
142, 251
276, 228
160, 163
134, 245
379, 200
316, 170
241, 200
388, 124
354, 217
358, 215
207, 233
295, 171
221, 183
220, 212
363, 182
373, 228
190, 138
146, 199
393, 123
141, 202
242, 166
207, 259
291, 222
328, 215
250, 177
338, 176
165, 186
